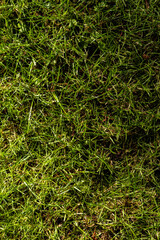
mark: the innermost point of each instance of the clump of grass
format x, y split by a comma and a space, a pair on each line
80, 120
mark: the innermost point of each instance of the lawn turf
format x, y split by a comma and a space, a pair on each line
79, 119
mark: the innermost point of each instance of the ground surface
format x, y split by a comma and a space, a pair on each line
79, 119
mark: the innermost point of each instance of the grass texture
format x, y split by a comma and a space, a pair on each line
79, 119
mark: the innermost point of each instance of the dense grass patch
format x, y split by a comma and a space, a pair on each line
79, 119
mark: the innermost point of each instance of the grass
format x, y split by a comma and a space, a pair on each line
79, 119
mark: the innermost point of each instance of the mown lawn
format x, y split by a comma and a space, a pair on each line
79, 119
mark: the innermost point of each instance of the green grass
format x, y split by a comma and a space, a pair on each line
79, 119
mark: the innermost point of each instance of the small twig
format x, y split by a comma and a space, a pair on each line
147, 4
